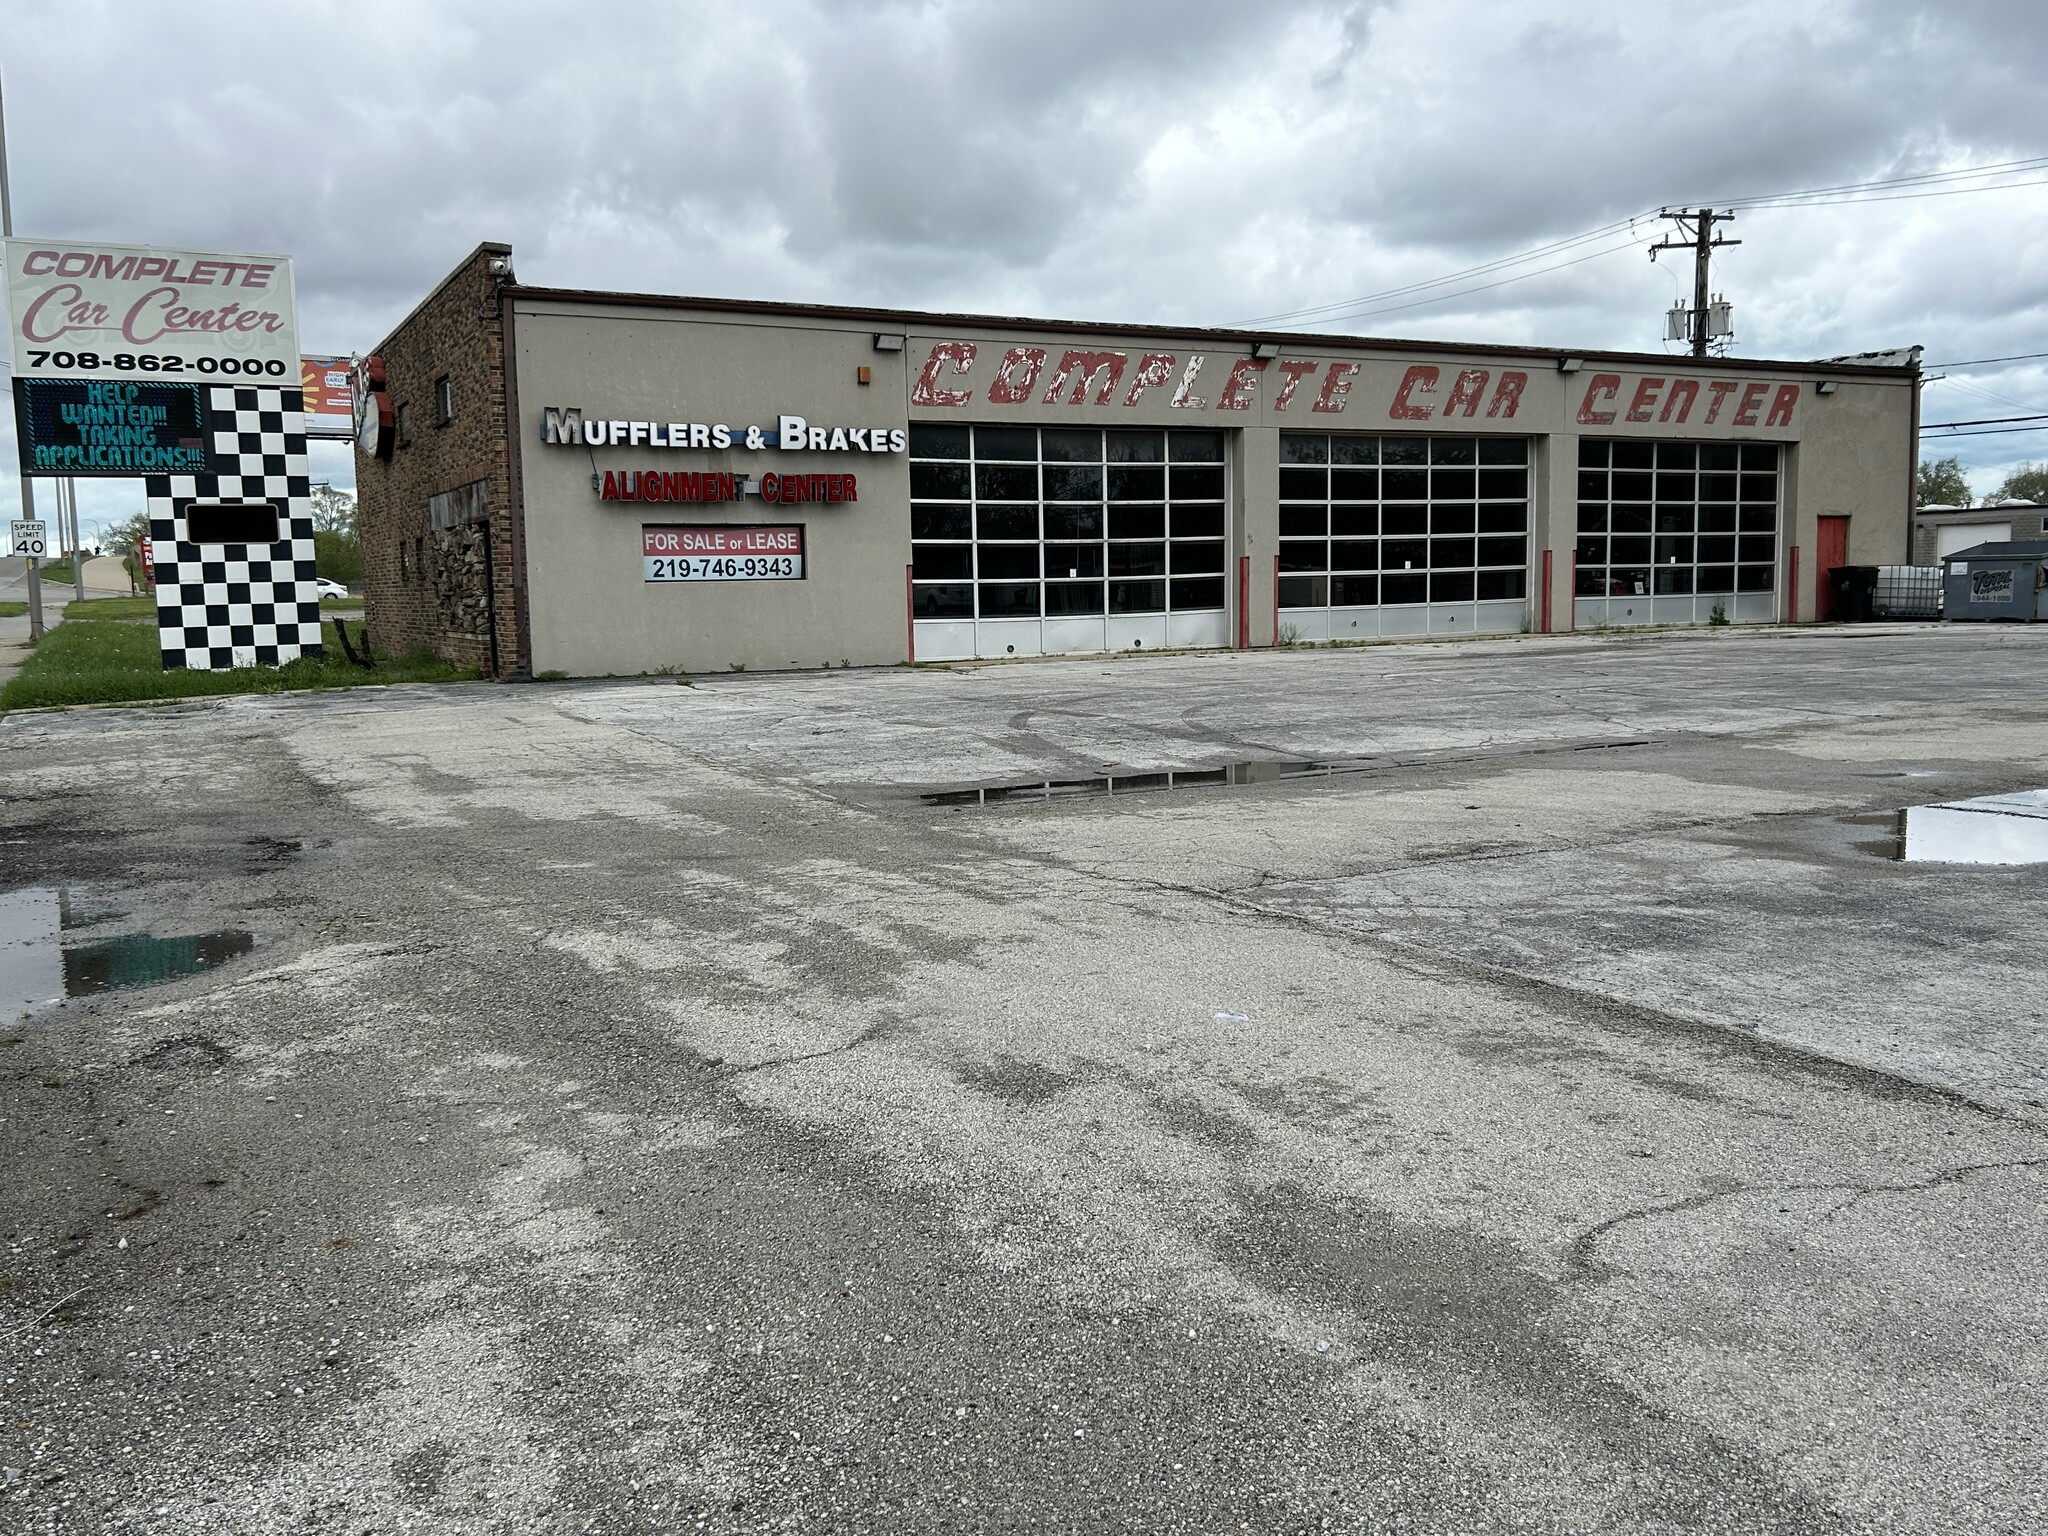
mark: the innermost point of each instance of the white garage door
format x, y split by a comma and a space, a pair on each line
1969, 536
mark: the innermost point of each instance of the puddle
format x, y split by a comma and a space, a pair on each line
1264, 770
1252, 770
1992, 829
41, 961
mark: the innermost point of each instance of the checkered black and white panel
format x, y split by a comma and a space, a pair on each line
239, 605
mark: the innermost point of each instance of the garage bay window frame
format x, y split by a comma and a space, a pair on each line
1673, 519
1383, 520
1025, 522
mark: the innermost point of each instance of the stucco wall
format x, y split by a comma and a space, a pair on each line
1848, 453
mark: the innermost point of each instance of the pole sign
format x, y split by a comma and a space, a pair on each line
29, 538
111, 427
80, 310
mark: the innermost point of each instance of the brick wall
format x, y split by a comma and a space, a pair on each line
423, 586
2027, 523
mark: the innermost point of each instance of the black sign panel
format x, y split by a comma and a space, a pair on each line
90, 427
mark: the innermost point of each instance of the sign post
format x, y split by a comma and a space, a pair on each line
28, 494
31, 540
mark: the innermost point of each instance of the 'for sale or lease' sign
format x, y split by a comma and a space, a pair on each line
721, 552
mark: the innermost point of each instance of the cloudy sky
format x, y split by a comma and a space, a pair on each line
1200, 161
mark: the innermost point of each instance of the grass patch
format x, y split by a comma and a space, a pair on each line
12, 610
114, 608
145, 607
106, 659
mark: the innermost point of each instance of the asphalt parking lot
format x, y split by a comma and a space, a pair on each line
1508, 1086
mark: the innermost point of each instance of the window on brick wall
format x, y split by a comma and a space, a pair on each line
405, 426
403, 573
444, 400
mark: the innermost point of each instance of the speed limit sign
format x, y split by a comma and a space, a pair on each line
29, 538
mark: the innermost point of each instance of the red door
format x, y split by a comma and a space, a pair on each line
1831, 549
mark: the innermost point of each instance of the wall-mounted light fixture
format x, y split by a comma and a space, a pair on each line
1570, 364
1825, 387
1265, 349
886, 342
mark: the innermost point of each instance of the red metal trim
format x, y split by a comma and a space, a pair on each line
909, 614
1244, 602
1546, 592
1792, 586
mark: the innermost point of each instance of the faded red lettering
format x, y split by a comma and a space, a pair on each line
1420, 378
1088, 365
1752, 402
1153, 370
1237, 389
1009, 389
1781, 407
956, 355
1185, 398
1679, 398
1644, 403
1507, 394
1294, 370
1466, 390
1717, 391
1337, 387
1602, 386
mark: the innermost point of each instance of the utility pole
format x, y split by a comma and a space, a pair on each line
28, 493
1701, 240
77, 541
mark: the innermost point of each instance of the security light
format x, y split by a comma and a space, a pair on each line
1265, 349
1570, 364
1825, 387
885, 342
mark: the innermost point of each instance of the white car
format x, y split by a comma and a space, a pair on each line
328, 589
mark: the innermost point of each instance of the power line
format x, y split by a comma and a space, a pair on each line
1979, 362
1983, 421
1883, 189
1362, 314
1957, 173
1533, 254
1984, 432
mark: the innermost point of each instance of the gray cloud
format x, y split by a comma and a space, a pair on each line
1198, 162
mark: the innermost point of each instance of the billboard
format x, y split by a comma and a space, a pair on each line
80, 310
330, 403
111, 427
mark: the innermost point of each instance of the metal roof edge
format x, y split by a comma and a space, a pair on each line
902, 319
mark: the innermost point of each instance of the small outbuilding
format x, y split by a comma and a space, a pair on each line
1997, 581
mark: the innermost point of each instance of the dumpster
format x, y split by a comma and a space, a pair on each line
1997, 581
1855, 592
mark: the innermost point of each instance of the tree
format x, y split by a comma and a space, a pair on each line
2029, 482
1941, 483
334, 511
337, 544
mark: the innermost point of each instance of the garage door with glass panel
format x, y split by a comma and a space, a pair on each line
1029, 541
1402, 535
1672, 533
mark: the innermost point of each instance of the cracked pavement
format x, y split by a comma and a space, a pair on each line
641, 1112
